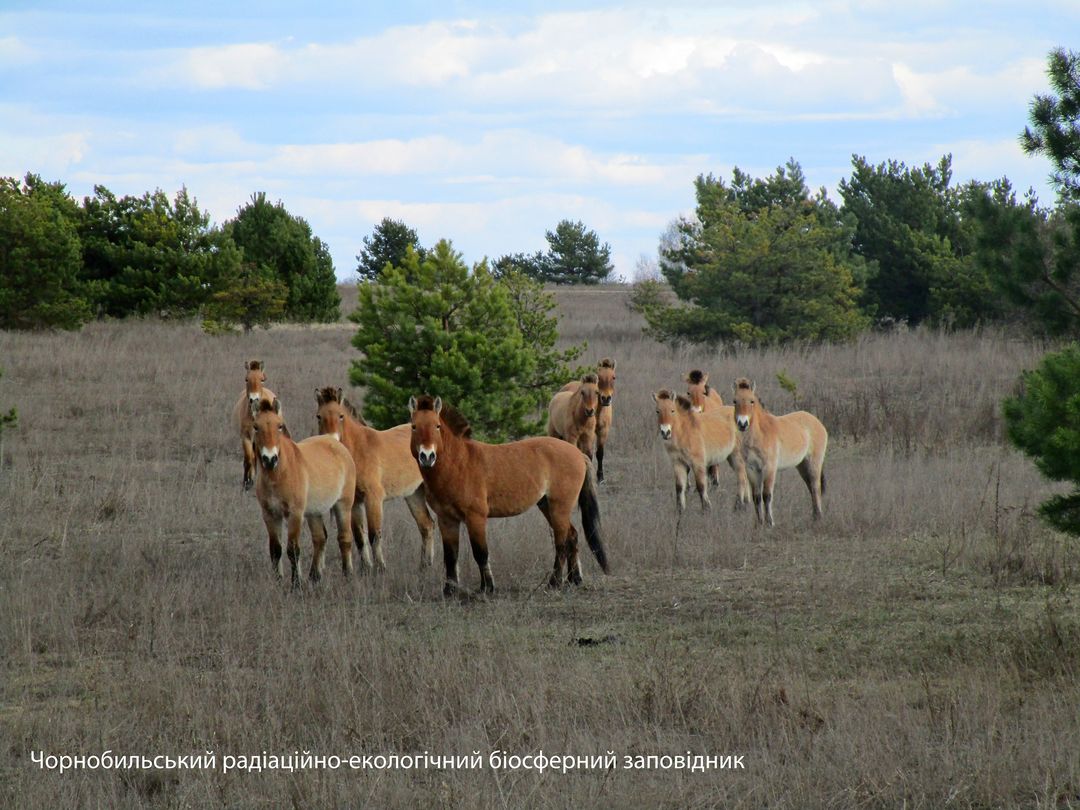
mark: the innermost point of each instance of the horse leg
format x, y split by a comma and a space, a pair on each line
359, 531
573, 562
293, 523
374, 502
343, 516
812, 478
560, 527
477, 527
450, 530
599, 459
767, 492
273, 529
418, 507
249, 463
318, 544
680, 488
702, 485
738, 464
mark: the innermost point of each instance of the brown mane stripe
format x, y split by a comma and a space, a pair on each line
328, 395
265, 405
742, 382
590, 378
695, 376
607, 362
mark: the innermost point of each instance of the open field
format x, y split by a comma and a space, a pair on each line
918, 648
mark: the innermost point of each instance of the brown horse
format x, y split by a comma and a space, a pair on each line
605, 387
706, 400
605, 375
469, 481
385, 469
302, 480
693, 443
772, 443
254, 393
572, 414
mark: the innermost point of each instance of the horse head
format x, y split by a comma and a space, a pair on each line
267, 430
697, 388
331, 412
589, 393
254, 377
605, 381
746, 403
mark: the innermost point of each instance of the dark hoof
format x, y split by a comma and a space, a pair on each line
555, 582
575, 578
247, 484
450, 589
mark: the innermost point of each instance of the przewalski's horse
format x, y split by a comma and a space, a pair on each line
693, 443
468, 481
706, 400
302, 480
605, 387
385, 469
771, 443
605, 376
572, 413
254, 393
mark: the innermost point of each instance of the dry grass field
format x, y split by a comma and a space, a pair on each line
918, 648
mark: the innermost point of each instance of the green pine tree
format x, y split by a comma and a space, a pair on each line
1044, 422
432, 326
763, 262
40, 257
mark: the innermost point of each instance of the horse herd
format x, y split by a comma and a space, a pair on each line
350, 468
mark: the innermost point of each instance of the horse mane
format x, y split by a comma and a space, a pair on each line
695, 377
330, 394
255, 365
590, 378
744, 384
265, 405
457, 423
607, 362
683, 402
354, 412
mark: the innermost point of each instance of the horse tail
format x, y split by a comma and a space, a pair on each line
590, 516
822, 479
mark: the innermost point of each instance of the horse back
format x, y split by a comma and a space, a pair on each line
518, 474
800, 434
717, 432
329, 471
397, 470
560, 416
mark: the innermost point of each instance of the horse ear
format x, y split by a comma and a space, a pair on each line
655, 398
318, 397
339, 397
412, 404
438, 404
277, 405
753, 386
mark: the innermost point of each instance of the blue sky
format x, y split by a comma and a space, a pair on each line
487, 123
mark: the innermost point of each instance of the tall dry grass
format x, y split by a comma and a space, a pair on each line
919, 647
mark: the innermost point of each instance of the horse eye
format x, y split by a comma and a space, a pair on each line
414, 427
341, 417
438, 427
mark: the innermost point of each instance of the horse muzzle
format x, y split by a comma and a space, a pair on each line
269, 460
426, 458
590, 411
742, 422
665, 432
605, 402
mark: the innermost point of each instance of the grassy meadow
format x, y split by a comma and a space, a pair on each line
917, 648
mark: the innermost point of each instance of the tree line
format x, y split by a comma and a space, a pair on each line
65, 262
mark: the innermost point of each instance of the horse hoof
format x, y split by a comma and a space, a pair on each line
450, 589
